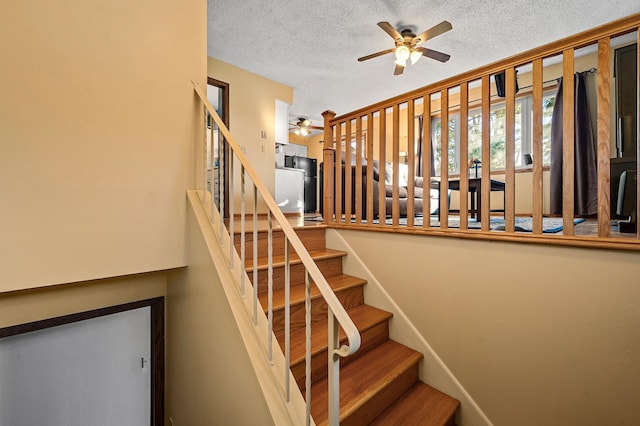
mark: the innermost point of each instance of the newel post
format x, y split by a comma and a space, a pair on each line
329, 161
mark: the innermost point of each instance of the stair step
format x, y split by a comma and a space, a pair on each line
422, 405
278, 260
347, 288
328, 261
297, 292
313, 238
372, 323
369, 384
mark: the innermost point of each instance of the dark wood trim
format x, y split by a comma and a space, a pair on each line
225, 98
157, 342
157, 361
225, 152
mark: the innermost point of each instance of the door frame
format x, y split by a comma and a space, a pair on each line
157, 342
224, 88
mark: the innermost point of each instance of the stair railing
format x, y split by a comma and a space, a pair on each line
220, 140
388, 133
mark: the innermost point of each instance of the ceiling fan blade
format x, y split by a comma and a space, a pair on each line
399, 70
390, 29
375, 55
432, 32
434, 54
316, 127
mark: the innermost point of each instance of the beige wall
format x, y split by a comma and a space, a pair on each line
49, 302
538, 335
210, 379
97, 120
252, 109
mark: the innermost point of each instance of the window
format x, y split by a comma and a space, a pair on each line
523, 134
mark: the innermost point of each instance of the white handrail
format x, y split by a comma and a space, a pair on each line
336, 310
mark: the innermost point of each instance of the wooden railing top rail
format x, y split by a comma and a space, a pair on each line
339, 312
612, 29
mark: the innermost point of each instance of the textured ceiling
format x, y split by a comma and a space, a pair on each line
312, 46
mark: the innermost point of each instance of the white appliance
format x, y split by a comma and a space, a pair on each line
290, 189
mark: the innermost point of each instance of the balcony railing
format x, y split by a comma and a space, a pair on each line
378, 171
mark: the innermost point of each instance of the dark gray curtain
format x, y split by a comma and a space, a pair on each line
586, 178
420, 150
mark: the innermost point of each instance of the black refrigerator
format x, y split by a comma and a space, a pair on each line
310, 167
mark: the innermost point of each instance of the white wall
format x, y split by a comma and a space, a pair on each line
537, 334
97, 120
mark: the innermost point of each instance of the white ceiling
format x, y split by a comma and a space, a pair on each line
313, 46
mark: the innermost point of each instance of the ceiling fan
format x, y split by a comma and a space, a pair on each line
303, 127
407, 45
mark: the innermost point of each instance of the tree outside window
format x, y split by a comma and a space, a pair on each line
523, 135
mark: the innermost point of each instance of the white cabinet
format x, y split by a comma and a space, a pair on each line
282, 122
295, 149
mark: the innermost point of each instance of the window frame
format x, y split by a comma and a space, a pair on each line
524, 101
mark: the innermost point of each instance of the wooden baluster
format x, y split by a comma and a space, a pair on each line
603, 144
464, 155
537, 147
411, 161
485, 194
382, 148
510, 151
369, 167
444, 158
426, 159
568, 132
395, 207
339, 173
348, 174
328, 168
358, 174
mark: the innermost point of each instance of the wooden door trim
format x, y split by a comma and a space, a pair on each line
225, 119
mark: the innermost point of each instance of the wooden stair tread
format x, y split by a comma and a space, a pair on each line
361, 379
363, 316
422, 405
297, 291
279, 260
263, 227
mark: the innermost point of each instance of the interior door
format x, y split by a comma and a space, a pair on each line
92, 372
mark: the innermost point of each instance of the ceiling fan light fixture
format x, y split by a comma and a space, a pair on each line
415, 56
304, 131
400, 62
402, 54
405, 45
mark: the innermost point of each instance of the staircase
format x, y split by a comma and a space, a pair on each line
379, 385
